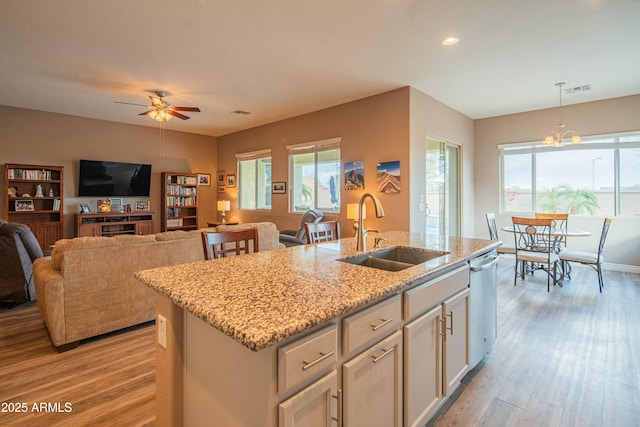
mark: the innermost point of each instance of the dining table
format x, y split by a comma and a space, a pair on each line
559, 235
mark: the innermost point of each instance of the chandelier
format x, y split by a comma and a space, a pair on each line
557, 136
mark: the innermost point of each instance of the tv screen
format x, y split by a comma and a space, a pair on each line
103, 179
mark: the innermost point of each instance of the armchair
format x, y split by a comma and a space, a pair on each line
18, 249
299, 236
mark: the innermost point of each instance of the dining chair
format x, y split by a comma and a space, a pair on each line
322, 231
558, 221
506, 248
222, 243
532, 253
593, 260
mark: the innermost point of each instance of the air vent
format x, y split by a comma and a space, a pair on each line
241, 112
582, 88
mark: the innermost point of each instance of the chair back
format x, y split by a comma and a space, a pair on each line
532, 234
558, 220
603, 236
491, 223
322, 231
309, 217
222, 243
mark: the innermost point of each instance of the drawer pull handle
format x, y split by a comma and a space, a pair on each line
323, 356
384, 354
381, 324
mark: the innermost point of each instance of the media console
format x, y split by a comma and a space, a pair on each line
113, 224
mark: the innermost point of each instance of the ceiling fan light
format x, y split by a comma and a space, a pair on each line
576, 139
548, 140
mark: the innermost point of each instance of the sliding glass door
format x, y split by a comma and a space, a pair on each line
442, 188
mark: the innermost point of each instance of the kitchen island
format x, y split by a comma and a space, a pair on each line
236, 327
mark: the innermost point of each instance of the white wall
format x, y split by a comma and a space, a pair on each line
593, 118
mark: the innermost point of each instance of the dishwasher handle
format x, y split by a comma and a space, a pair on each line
491, 261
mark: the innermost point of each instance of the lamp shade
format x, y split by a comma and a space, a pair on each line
224, 205
352, 211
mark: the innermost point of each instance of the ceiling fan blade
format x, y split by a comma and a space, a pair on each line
157, 102
178, 115
146, 113
129, 103
194, 109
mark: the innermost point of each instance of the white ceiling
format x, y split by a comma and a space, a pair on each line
282, 58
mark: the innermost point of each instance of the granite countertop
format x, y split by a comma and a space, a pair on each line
264, 298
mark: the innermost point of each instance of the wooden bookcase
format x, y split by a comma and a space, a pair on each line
179, 201
42, 212
113, 224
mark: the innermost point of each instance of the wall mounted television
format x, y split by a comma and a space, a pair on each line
102, 179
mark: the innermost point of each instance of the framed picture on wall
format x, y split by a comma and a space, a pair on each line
220, 178
204, 179
221, 188
231, 180
279, 188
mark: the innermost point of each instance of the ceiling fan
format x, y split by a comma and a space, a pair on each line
161, 110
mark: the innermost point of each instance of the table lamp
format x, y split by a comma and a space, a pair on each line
352, 213
223, 207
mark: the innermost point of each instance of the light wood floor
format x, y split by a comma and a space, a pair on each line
570, 357
107, 381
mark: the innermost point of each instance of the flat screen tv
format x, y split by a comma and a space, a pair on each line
116, 179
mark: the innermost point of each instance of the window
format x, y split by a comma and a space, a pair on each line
599, 177
314, 175
254, 180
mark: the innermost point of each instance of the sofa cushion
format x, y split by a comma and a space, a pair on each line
63, 245
133, 239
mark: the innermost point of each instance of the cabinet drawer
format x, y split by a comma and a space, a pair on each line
371, 325
307, 358
421, 298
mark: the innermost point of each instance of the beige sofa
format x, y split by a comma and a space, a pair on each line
87, 288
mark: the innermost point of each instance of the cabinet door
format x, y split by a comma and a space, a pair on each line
88, 230
422, 367
144, 227
372, 383
47, 233
455, 352
315, 406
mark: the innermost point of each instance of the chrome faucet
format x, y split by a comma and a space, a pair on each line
361, 232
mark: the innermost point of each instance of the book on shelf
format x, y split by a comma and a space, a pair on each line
30, 174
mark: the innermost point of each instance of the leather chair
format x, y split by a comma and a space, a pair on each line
18, 249
299, 236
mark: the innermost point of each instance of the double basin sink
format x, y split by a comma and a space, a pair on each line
394, 258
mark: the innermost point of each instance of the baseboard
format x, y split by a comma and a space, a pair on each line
623, 268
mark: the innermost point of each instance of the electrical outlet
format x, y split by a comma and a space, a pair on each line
162, 331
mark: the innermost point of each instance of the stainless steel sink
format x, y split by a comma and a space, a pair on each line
395, 258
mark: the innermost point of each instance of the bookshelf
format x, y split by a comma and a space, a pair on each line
179, 201
34, 196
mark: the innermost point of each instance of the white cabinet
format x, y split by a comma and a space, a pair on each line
315, 406
436, 344
455, 349
423, 367
372, 383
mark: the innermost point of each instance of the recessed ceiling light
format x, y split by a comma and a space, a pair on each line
450, 41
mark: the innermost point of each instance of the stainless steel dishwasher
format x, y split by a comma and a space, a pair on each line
483, 310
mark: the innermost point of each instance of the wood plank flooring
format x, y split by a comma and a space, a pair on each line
570, 357
106, 381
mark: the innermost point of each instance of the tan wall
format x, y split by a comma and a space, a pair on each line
36, 137
386, 127
593, 118
434, 119
373, 129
